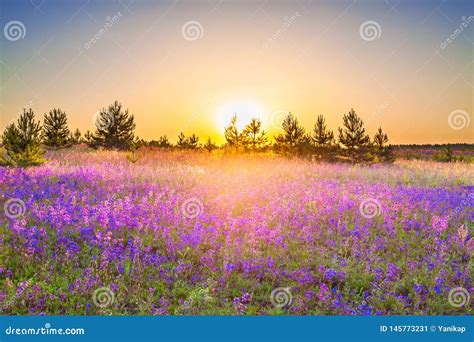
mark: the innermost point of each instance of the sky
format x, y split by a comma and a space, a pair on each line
189, 65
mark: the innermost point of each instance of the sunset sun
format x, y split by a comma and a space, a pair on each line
245, 111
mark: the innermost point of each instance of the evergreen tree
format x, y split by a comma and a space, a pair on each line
353, 138
380, 139
192, 142
89, 139
22, 142
55, 131
182, 142
76, 137
162, 142
323, 140
209, 145
138, 143
292, 136
305, 147
232, 135
322, 137
253, 136
383, 152
115, 128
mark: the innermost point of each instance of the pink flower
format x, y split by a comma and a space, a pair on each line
462, 233
470, 246
323, 294
439, 223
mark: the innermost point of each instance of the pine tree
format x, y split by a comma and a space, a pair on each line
383, 152
137, 144
76, 137
323, 140
305, 148
22, 142
380, 139
353, 138
322, 137
89, 139
232, 135
115, 128
293, 135
182, 142
253, 136
162, 142
209, 145
192, 142
55, 131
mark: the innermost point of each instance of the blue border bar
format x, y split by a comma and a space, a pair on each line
240, 328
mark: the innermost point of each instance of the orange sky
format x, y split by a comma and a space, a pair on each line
268, 58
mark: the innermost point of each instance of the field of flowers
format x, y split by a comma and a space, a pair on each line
182, 233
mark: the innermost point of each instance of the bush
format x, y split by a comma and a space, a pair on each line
445, 156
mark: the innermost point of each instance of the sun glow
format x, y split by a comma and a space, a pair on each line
245, 111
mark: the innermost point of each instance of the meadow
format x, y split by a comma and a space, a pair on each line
192, 233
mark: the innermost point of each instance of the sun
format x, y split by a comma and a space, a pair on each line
245, 111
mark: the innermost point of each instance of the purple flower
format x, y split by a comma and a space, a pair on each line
323, 294
419, 288
330, 274
392, 272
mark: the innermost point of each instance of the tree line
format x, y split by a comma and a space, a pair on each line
24, 140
